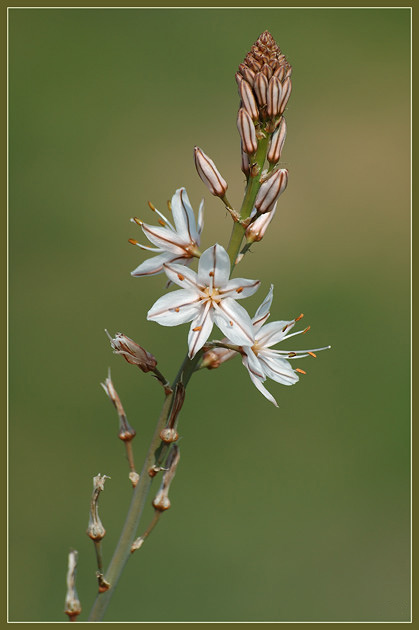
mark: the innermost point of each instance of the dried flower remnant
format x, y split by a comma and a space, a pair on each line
126, 432
72, 606
169, 433
205, 298
162, 501
95, 529
174, 243
132, 352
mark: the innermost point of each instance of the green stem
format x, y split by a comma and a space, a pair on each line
123, 548
252, 189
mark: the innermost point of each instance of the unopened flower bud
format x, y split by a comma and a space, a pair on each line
266, 70
245, 162
132, 352
286, 93
162, 501
277, 143
247, 131
248, 100
209, 173
274, 97
95, 529
256, 230
72, 606
213, 358
279, 73
261, 88
247, 73
270, 190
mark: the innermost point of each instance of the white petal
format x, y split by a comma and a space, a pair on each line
273, 333
175, 308
234, 321
258, 383
152, 266
164, 238
253, 363
214, 267
239, 288
278, 370
201, 217
183, 216
262, 313
182, 276
200, 329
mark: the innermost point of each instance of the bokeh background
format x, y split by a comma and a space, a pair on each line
290, 514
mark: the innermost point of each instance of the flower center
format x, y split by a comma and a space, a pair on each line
212, 294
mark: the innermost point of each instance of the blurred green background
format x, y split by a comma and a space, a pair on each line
290, 514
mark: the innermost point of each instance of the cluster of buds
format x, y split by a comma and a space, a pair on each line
264, 83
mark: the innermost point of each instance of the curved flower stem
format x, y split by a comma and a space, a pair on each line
123, 548
252, 188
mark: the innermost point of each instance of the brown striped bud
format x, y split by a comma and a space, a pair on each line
286, 93
266, 70
279, 73
72, 606
274, 97
248, 100
256, 230
247, 131
277, 142
247, 73
245, 162
209, 173
261, 88
270, 190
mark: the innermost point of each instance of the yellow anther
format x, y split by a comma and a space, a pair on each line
151, 206
306, 329
197, 328
312, 354
299, 317
133, 241
300, 371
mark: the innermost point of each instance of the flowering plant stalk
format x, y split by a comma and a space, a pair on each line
206, 297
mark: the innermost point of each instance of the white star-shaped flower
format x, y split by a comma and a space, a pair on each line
178, 243
207, 297
261, 361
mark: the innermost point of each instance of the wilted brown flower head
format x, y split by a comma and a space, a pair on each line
267, 72
132, 352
